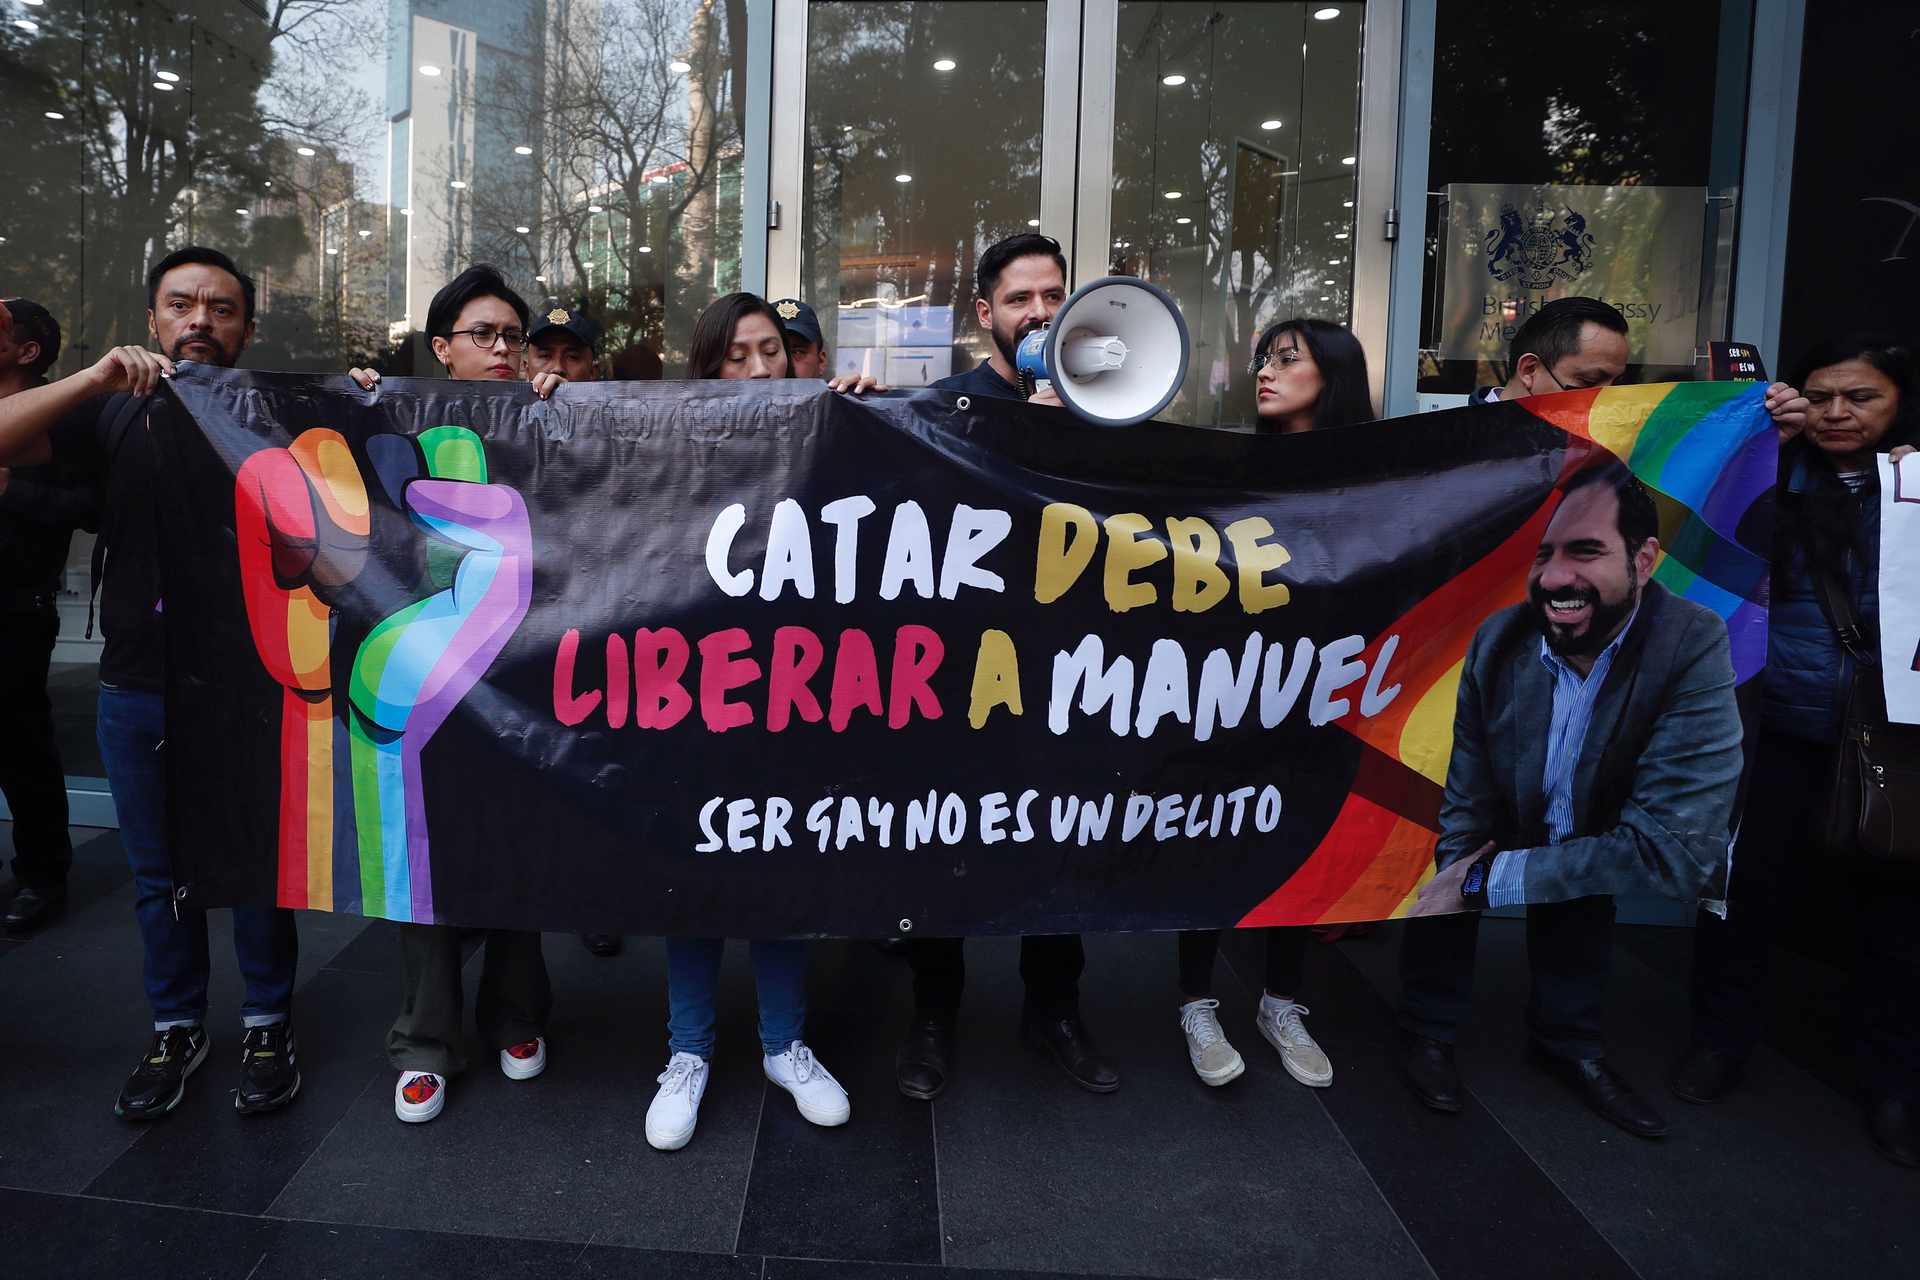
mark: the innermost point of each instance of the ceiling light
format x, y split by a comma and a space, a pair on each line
428, 69
1269, 125
523, 151
541, 279
161, 85
55, 115
1033, 222
364, 234
661, 178
406, 213
458, 185
523, 230
679, 68
646, 248
1334, 262
596, 208
269, 182
241, 212
24, 25
1173, 81
1347, 159
903, 177
945, 64
1346, 204
1183, 221
332, 252
1339, 235
1329, 282
169, 76
1175, 195
303, 151
1325, 298
1325, 14
35, 2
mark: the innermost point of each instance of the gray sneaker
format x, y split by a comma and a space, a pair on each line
1214, 1060
1280, 1023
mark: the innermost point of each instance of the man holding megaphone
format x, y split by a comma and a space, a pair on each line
1022, 281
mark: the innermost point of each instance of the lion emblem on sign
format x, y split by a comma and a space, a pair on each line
1534, 252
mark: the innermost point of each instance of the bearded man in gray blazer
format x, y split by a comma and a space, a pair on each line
1596, 750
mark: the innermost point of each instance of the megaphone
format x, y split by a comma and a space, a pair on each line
1115, 353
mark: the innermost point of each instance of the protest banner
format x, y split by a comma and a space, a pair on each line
754, 659
1900, 585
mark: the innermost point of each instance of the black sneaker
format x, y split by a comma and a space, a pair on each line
160, 1081
269, 1076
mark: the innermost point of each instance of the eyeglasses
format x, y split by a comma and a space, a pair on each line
485, 335
1283, 357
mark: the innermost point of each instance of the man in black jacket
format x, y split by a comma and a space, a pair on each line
199, 307
40, 507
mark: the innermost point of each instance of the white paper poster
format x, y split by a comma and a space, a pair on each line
1900, 586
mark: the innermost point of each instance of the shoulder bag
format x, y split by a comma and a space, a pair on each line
1871, 802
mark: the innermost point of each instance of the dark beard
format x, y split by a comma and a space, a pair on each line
1009, 346
1601, 621
222, 361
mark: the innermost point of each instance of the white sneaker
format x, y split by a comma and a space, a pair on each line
676, 1108
1280, 1023
1214, 1060
818, 1095
525, 1061
419, 1095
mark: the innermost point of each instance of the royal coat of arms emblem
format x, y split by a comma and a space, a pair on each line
1534, 252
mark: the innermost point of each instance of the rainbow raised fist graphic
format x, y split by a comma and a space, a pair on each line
352, 809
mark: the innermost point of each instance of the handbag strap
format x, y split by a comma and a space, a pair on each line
1837, 603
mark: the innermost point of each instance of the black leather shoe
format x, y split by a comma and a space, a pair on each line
1067, 1040
1426, 1065
160, 1081
34, 907
1704, 1075
269, 1070
920, 1068
602, 944
1893, 1127
1602, 1089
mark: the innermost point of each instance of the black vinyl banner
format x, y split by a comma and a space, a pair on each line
755, 659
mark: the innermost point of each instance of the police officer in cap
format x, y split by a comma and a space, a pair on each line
806, 348
563, 340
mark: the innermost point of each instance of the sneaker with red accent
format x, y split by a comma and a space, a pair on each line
419, 1095
525, 1061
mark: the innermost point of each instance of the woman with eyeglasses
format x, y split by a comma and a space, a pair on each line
1308, 374
478, 327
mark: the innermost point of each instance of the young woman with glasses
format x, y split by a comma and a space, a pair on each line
1308, 374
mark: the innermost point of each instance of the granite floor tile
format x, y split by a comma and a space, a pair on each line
563, 1156
866, 1189
1165, 1177
329, 1251
50, 1236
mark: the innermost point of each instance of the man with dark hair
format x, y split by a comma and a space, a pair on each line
1569, 344
1021, 282
40, 507
96, 421
562, 340
1596, 750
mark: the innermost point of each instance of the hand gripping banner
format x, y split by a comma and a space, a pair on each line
757, 660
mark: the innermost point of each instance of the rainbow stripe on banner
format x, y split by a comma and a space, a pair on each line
1709, 452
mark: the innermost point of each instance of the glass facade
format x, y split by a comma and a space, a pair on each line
1236, 131
922, 148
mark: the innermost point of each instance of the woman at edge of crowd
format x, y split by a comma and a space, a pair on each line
738, 336
477, 325
1862, 395
1308, 374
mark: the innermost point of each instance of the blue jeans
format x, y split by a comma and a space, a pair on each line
132, 730
693, 972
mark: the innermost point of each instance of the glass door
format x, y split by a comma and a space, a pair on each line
921, 146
